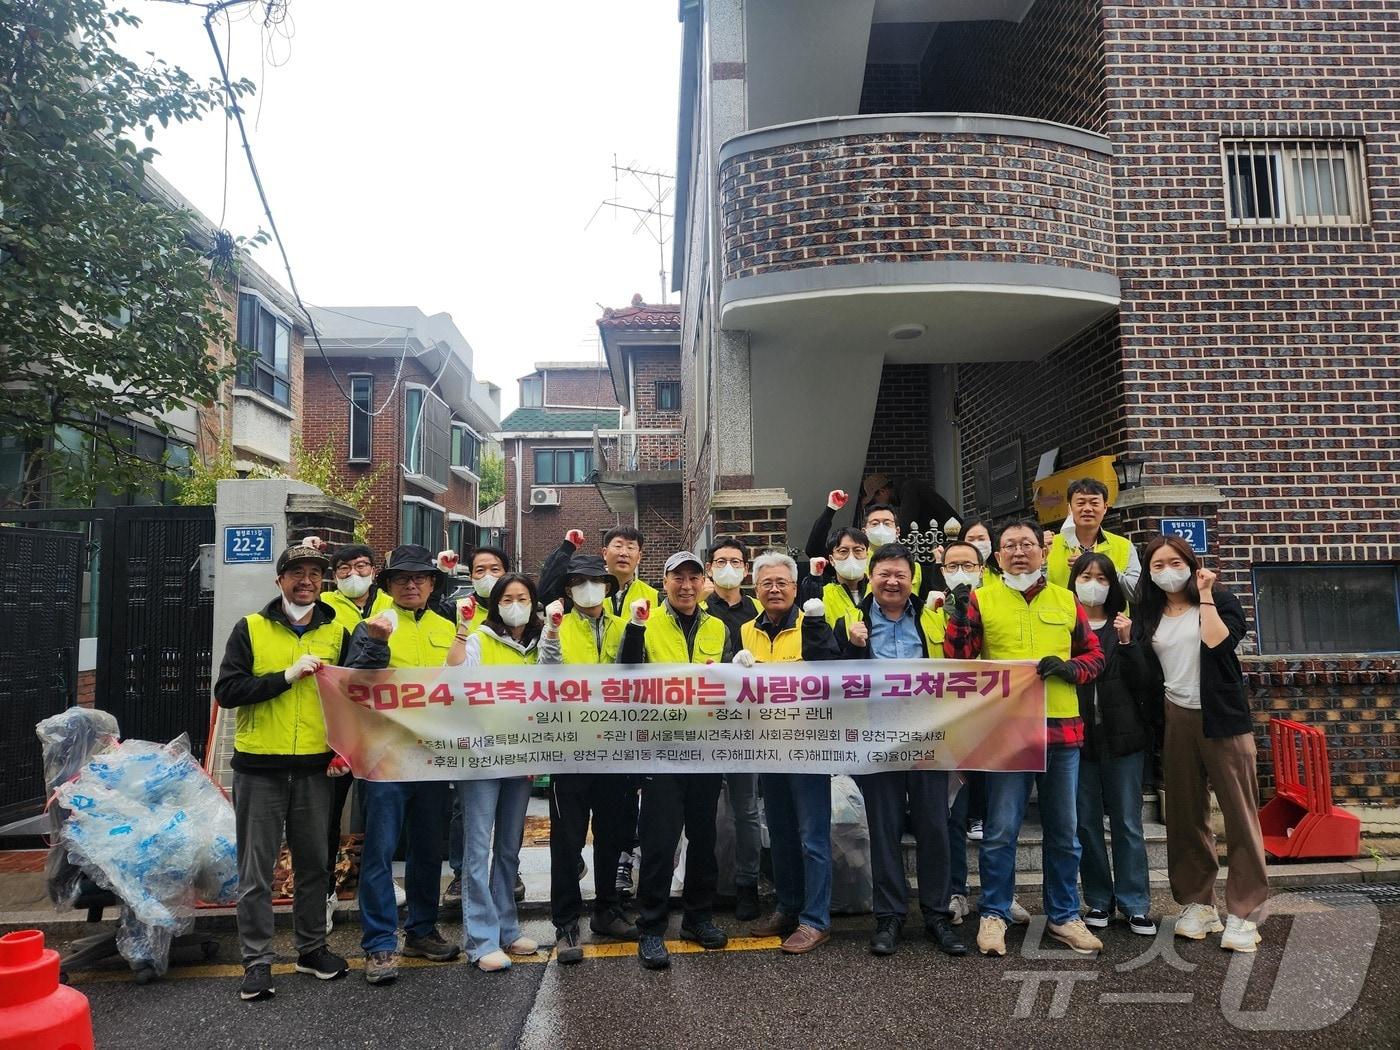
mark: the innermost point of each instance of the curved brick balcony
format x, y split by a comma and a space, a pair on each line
994, 233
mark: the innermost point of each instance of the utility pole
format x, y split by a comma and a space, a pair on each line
657, 187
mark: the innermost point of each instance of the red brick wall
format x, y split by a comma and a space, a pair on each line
760, 528
662, 521
650, 367
581, 388
542, 528
900, 440
866, 198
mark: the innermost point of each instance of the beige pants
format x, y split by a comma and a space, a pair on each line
1192, 766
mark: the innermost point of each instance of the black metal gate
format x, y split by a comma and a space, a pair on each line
155, 642
41, 587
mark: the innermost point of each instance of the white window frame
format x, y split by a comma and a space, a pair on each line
350, 456
1286, 154
272, 308
466, 473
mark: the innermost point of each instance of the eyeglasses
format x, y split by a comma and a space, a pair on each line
363, 567
422, 579
960, 566
1024, 545
776, 585
737, 563
848, 552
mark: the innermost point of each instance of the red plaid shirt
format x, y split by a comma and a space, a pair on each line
963, 641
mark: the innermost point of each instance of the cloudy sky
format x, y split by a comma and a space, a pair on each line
446, 154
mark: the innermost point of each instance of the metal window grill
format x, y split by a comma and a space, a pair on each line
1294, 182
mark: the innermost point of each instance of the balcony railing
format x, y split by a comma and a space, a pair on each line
641, 450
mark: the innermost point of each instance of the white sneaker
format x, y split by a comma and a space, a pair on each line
1019, 915
523, 946
974, 832
1075, 934
330, 912
957, 904
1198, 920
400, 897
1240, 935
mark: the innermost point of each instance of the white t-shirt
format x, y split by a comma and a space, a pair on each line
1177, 644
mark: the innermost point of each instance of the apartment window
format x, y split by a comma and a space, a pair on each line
151, 446
461, 537
422, 524
361, 441
1295, 182
466, 448
427, 430
268, 337
532, 392
668, 397
563, 466
1333, 608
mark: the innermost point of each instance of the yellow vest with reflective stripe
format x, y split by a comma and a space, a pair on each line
578, 638
839, 606
1058, 561
1014, 629
420, 641
348, 614
291, 722
665, 640
495, 653
785, 648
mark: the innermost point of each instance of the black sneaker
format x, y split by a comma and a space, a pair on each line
652, 953
1143, 925
430, 946
704, 933
1097, 918
940, 931
624, 876
746, 907
257, 983
886, 936
323, 964
519, 889
566, 946
452, 896
615, 925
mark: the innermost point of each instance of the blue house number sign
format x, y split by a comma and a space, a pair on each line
1192, 530
247, 543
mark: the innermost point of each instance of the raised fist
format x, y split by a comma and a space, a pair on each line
836, 499
466, 608
554, 613
934, 600
1205, 580
814, 607
1124, 627
381, 626
447, 560
817, 566
574, 536
744, 658
641, 611
859, 634
314, 542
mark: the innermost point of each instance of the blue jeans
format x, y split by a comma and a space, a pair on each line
493, 823
1007, 796
1113, 785
388, 807
798, 806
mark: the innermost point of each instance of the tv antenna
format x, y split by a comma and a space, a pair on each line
657, 188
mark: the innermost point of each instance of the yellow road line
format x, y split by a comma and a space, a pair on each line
610, 950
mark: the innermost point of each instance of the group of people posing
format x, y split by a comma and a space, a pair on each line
1128, 658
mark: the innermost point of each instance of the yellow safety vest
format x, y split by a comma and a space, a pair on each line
291, 722
478, 616
495, 653
348, 614
578, 638
1057, 563
839, 605
785, 648
665, 640
1014, 629
420, 641
635, 590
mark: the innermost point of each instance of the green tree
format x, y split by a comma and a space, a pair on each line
106, 303
493, 478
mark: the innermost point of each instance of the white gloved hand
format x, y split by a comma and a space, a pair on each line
836, 499
814, 607
553, 616
641, 611
447, 560
306, 664
744, 658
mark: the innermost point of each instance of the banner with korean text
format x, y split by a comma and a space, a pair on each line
454, 723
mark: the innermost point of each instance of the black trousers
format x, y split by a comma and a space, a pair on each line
923, 795
574, 798
669, 802
340, 791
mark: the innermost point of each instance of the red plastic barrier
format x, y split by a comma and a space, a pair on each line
36, 1012
1299, 822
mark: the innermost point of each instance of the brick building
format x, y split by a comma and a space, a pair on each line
396, 395
944, 240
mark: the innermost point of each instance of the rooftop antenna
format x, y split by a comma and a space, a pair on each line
657, 188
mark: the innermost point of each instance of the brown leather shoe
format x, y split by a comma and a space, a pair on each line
804, 939
775, 924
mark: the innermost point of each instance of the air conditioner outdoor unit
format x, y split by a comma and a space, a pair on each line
544, 497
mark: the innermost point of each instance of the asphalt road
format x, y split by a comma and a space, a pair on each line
1333, 959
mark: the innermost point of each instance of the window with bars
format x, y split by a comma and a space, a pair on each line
1327, 608
563, 466
268, 338
668, 396
1294, 182
361, 422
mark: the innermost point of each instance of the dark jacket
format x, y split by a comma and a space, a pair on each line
850, 651
1115, 717
554, 572
1224, 702
734, 616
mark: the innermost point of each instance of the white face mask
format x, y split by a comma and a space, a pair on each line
1023, 581
1171, 580
984, 547
516, 615
850, 568
727, 576
1091, 592
882, 534
296, 612
588, 595
954, 580
483, 585
354, 585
